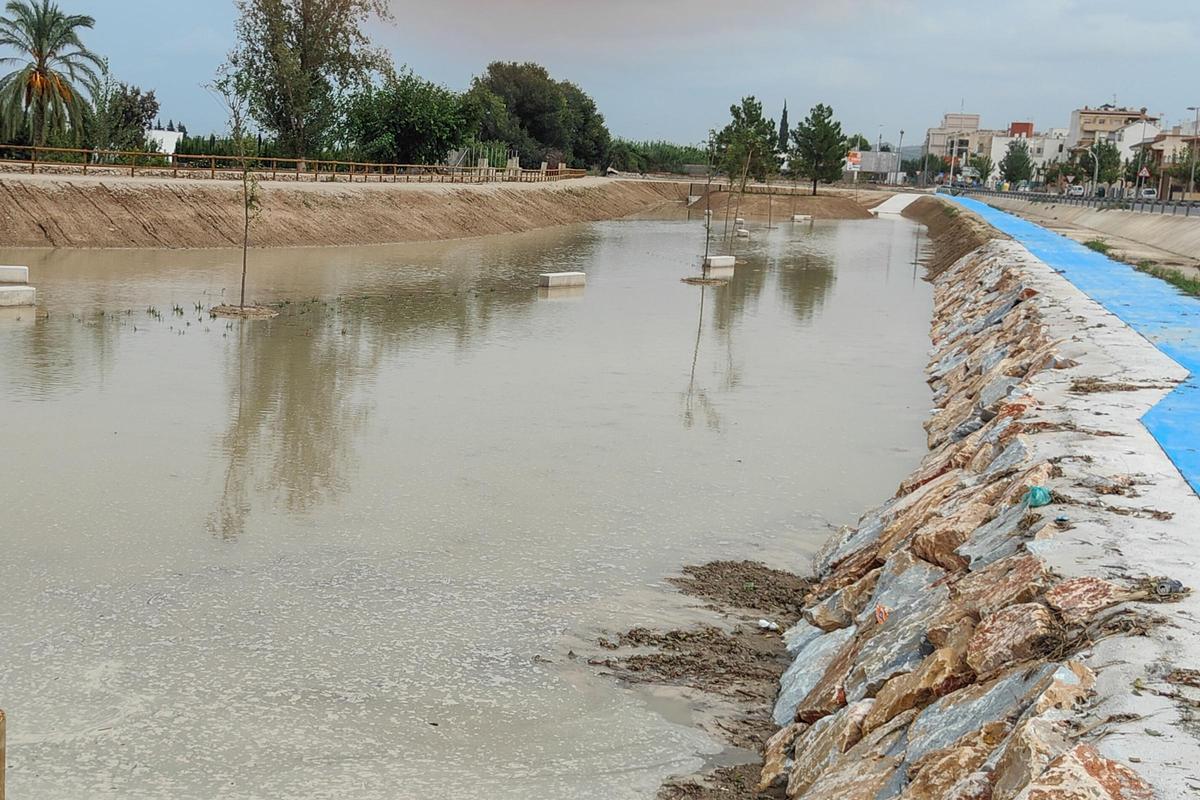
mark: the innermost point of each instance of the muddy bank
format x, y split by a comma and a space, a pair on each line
829, 204
728, 666
1012, 624
48, 211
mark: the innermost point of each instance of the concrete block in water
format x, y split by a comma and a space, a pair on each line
739, 221
723, 273
14, 274
743, 233
551, 279
560, 292
12, 296
801, 217
719, 262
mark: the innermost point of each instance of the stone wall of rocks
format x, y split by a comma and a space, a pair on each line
941, 655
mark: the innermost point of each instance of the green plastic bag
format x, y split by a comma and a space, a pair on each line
1038, 496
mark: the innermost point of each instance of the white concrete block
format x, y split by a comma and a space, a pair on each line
718, 272
560, 292
562, 279
14, 274
11, 296
742, 232
801, 217
739, 221
720, 261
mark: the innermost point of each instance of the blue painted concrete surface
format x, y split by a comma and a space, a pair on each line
1152, 307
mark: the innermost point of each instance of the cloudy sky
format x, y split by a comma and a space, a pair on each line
670, 68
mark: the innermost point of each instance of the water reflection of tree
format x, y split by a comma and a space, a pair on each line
804, 282
299, 385
696, 396
803, 276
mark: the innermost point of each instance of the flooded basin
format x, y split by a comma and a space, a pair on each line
338, 553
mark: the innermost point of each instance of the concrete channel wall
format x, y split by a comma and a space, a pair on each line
1175, 234
1016, 621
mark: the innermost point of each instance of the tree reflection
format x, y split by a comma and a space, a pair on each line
696, 397
300, 385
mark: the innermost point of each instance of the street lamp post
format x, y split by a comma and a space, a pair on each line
900, 156
1195, 137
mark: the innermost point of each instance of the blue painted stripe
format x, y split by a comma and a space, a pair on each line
1154, 308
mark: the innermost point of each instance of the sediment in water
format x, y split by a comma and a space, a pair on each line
965, 640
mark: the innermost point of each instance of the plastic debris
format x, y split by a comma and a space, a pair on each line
1166, 587
1038, 496
767, 625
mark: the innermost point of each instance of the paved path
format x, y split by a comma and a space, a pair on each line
1155, 309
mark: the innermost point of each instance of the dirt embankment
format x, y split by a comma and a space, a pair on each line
826, 205
952, 233
47, 211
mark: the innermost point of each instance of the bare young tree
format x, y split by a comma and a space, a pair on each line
232, 87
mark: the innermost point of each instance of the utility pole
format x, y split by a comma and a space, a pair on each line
1095, 165
900, 156
1192, 148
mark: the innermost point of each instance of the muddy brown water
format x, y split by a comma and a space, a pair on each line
342, 553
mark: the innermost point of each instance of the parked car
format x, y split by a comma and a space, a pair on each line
1148, 193
1075, 191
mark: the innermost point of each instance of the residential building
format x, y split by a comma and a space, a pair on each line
1129, 138
1168, 148
1089, 125
1044, 149
958, 134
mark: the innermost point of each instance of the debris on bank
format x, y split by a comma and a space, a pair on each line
1017, 622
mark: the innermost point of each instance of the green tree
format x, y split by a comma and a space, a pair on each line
535, 120
406, 120
541, 118
784, 130
857, 141
1016, 166
235, 89
1109, 159
45, 93
931, 164
984, 166
747, 144
588, 137
119, 116
818, 147
296, 57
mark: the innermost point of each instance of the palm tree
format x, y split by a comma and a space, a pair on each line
45, 90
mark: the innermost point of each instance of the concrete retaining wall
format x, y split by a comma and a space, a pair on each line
965, 640
1174, 234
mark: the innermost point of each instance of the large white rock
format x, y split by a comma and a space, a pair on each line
562, 279
14, 274
11, 296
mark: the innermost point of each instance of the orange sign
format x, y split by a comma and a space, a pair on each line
854, 160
